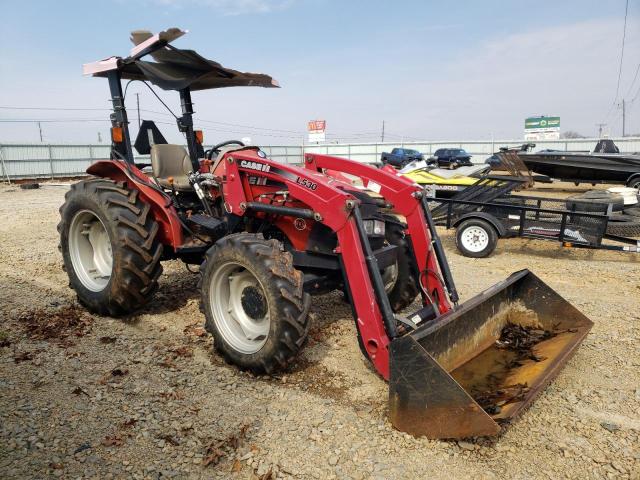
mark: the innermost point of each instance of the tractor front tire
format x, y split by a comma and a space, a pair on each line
110, 246
254, 303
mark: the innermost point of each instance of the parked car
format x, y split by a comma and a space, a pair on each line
451, 157
399, 157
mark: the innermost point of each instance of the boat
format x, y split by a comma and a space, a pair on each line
441, 182
605, 164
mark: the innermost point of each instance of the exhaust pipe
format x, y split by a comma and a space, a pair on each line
472, 370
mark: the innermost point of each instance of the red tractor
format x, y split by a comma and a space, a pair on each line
268, 235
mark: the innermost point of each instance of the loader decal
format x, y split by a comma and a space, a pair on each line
305, 182
260, 167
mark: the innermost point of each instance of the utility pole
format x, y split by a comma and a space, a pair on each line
600, 128
40, 130
382, 139
99, 138
138, 103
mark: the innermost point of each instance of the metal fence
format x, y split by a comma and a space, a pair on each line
20, 161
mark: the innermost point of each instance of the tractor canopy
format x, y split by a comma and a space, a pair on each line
173, 68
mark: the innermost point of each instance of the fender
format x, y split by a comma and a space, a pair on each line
497, 224
164, 213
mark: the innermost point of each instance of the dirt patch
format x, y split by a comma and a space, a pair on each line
309, 376
56, 325
325, 417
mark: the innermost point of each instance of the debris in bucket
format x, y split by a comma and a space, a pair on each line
492, 402
522, 339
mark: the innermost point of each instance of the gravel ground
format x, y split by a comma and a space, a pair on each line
148, 397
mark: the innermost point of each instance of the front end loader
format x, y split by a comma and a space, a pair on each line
268, 236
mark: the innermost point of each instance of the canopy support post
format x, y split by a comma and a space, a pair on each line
119, 118
185, 125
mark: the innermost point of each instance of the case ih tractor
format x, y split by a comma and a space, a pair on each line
268, 236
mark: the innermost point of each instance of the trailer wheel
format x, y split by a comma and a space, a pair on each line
254, 303
400, 279
634, 182
476, 238
109, 245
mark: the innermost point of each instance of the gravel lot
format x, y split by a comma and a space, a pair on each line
148, 397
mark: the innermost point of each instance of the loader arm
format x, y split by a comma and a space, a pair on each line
406, 198
338, 210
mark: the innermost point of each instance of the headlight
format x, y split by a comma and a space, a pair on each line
374, 227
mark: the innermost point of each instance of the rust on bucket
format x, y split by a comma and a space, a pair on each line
477, 367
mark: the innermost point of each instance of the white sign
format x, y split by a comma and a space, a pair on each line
542, 135
542, 128
316, 129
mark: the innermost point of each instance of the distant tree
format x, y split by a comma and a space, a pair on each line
572, 134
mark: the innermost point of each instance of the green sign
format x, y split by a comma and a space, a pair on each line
533, 123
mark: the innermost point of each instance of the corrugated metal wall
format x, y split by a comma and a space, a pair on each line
55, 161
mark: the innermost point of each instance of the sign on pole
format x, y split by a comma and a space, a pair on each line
542, 128
316, 129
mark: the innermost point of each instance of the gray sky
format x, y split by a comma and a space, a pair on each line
431, 70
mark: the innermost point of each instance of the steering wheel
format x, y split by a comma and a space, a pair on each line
216, 148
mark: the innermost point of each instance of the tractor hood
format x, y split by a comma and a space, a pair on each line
174, 68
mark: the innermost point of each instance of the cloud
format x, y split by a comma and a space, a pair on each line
569, 70
490, 88
232, 7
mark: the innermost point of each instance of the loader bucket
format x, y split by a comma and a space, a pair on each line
472, 370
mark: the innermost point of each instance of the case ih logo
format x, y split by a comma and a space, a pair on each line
261, 167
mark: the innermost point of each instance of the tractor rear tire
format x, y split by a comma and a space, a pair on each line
405, 288
110, 246
254, 303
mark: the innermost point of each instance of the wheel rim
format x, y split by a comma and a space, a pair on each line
90, 251
475, 239
239, 307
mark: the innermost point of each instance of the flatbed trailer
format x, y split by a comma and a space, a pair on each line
479, 223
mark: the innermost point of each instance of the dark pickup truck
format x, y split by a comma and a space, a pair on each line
399, 157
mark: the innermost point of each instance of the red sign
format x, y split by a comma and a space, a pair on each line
317, 125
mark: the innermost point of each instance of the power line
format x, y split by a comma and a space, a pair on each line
250, 129
624, 34
635, 77
5, 107
66, 120
202, 120
636, 95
